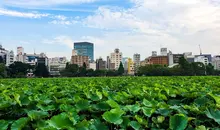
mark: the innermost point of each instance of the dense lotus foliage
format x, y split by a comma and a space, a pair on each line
138, 103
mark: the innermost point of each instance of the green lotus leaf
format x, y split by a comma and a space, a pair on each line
82, 105
178, 122
147, 103
37, 114
148, 111
141, 120
135, 125
19, 124
133, 108
160, 119
84, 125
202, 127
17, 98
217, 99
60, 121
98, 125
215, 115
164, 111
113, 116
102, 106
3, 125
113, 104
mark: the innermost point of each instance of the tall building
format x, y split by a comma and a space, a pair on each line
202, 59
129, 67
20, 55
80, 60
158, 60
108, 61
137, 61
92, 65
208, 56
109, 65
163, 51
20, 51
116, 58
10, 58
57, 64
124, 59
216, 62
154, 53
7, 56
85, 49
174, 58
100, 64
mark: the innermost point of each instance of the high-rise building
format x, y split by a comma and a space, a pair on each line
208, 56
158, 60
20, 51
80, 60
124, 59
6, 56
108, 61
57, 64
116, 58
129, 67
74, 52
216, 62
174, 58
163, 51
154, 53
109, 65
202, 59
20, 55
10, 58
92, 65
100, 64
137, 61
85, 49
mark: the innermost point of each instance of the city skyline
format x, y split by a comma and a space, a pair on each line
133, 26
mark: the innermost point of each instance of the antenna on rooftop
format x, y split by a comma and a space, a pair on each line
34, 51
200, 50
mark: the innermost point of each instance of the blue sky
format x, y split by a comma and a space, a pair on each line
134, 26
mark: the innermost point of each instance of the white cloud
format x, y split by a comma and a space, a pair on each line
60, 17
40, 3
22, 14
63, 22
176, 24
60, 40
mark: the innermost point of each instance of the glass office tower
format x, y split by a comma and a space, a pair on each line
85, 49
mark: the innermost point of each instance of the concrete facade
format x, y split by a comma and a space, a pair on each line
116, 58
79, 60
216, 62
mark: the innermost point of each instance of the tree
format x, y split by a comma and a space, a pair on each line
2, 70
154, 70
1, 59
18, 69
71, 70
185, 67
198, 68
210, 69
90, 72
82, 70
121, 69
41, 70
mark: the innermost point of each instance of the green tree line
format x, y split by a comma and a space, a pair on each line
183, 69
20, 70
